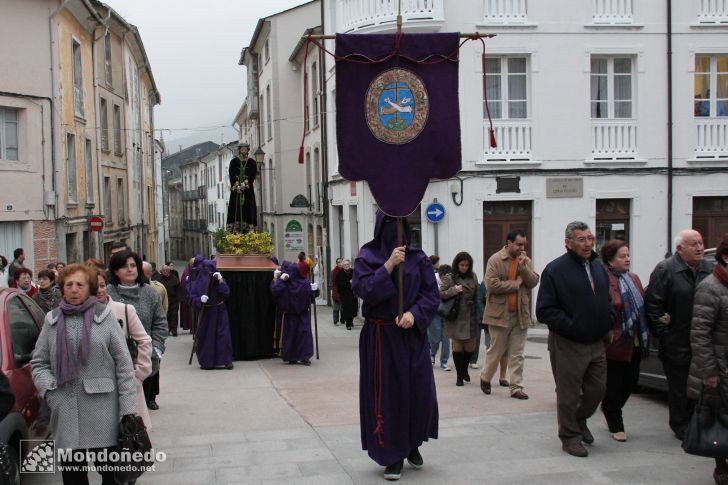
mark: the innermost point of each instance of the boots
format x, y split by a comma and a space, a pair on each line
459, 359
466, 362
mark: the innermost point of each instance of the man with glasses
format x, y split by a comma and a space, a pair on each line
669, 305
573, 300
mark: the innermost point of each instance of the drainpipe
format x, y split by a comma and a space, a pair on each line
669, 127
325, 164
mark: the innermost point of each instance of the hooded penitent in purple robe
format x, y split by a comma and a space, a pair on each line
397, 399
214, 346
293, 298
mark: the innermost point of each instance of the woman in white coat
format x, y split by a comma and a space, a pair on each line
128, 319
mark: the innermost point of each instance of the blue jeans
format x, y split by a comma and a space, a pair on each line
436, 336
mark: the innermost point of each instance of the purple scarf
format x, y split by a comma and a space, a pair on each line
67, 362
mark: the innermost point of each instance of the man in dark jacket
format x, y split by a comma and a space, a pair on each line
669, 305
573, 300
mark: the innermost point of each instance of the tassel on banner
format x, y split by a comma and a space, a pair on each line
300, 154
491, 132
493, 144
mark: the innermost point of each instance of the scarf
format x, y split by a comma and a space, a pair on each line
633, 310
720, 273
49, 297
67, 362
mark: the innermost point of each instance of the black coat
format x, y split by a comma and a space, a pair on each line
567, 303
250, 210
349, 302
671, 290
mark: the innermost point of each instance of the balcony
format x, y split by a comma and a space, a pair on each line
376, 15
513, 138
189, 195
712, 12
612, 12
202, 224
504, 12
202, 192
614, 139
712, 138
191, 224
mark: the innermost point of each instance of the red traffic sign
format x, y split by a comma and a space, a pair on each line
96, 223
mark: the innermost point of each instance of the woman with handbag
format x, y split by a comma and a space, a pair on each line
127, 284
82, 368
461, 325
628, 340
708, 380
138, 342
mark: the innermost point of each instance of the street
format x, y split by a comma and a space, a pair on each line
268, 423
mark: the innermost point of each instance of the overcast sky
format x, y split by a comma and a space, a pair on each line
194, 47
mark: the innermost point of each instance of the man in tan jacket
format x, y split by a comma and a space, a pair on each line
509, 277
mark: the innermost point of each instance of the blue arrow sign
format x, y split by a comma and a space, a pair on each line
435, 212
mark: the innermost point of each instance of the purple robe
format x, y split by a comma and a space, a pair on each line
214, 345
185, 311
293, 299
409, 413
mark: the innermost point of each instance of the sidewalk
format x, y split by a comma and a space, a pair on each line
266, 423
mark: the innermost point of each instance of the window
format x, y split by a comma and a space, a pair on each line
107, 199
262, 115
77, 80
88, 165
120, 205
107, 58
267, 50
71, 167
612, 221
306, 111
104, 126
317, 177
711, 85
506, 80
270, 112
8, 134
117, 129
219, 167
611, 87
23, 331
315, 93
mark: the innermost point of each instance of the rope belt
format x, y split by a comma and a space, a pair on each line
377, 378
221, 302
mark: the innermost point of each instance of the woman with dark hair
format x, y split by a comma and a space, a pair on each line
349, 303
127, 284
82, 368
24, 281
3, 271
48, 296
627, 341
462, 283
397, 398
709, 344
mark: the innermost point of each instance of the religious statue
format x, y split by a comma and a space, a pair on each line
242, 210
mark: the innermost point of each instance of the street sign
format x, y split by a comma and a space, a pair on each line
435, 212
96, 223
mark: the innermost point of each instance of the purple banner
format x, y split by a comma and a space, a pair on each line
397, 114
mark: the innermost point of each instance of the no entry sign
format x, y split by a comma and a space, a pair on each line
96, 223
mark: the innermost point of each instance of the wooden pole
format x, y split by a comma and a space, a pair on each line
199, 323
400, 269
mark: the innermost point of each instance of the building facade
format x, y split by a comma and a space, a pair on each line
582, 117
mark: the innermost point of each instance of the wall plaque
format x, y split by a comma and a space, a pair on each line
565, 187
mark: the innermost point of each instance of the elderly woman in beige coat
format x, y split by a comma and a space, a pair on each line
709, 344
127, 317
462, 330
81, 366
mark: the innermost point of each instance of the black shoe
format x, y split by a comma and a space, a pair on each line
415, 459
229, 366
575, 449
152, 405
306, 362
173, 333
349, 326
394, 471
291, 362
586, 435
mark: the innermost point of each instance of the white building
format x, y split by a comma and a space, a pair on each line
215, 166
581, 112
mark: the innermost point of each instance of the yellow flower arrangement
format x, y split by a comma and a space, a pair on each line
249, 243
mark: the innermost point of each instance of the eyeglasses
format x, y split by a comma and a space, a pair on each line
583, 239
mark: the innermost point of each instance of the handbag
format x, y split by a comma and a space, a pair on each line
448, 309
135, 450
707, 433
131, 344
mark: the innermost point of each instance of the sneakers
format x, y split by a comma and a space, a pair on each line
474, 365
415, 459
575, 449
445, 367
394, 471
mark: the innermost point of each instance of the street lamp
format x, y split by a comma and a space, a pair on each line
259, 155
